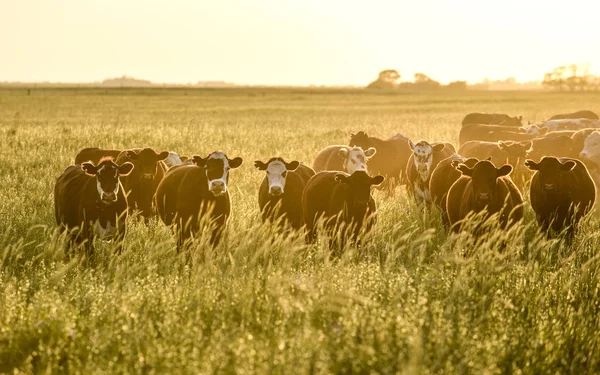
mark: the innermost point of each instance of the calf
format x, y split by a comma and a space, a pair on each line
141, 185
493, 133
420, 165
576, 115
561, 192
94, 155
192, 197
90, 197
484, 188
390, 159
342, 201
513, 153
443, 177
343, 158
280, 193
492, 119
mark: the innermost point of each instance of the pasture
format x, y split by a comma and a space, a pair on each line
411, 300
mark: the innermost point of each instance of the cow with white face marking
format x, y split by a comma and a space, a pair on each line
422, 162
343, 158
192, 196
91, 198
280, 193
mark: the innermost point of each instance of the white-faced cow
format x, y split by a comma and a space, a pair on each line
343, 158
89, 202
193, 195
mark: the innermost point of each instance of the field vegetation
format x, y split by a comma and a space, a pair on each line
411, 300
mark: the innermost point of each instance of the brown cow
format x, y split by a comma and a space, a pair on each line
390, 159
280, 193
494, 133
513, 153
340, 200
193, 195
342, 158
576, 115
421, 164
484, 187
561, 146
579, 137
443, 177
561, 193
141, 185
91, 198
94, 154
492, 119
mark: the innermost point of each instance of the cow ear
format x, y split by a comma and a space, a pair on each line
183, 158
504, 170
520, 118
235, 162
352, 135
370, 152
439, 147
532, 165
163, 155
543, 130
411, 144
131, 155
125, 168
343, 152
503, 145
377, 180
89, 169
292, 166
489, 158
199, 161
568, 165
341, 178
527, 145
466, 171
260, 165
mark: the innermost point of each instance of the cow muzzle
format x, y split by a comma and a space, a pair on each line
484, 197
275, 191
147, 176
108, 198
217, 188
548, 187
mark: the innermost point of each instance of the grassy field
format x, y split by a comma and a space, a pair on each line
411, 301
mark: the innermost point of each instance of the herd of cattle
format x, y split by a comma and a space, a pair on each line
497, 159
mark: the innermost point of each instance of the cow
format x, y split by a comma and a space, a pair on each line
422, 162
561, 146
576, 115
493, 133
484, 187
342, 201
390, 159
89, 202
567, 124
280, 192
513, 153
492, 119
343, 158
94, 154
579, 138
140, 185
194, 197
561, 193
172, 160
442, 178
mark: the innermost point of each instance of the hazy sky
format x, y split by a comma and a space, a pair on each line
299, 42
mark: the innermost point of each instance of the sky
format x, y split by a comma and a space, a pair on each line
293, 42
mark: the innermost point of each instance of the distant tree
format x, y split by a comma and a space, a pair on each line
457, 85
388, 79
422, 81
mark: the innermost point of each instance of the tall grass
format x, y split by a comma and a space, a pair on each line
412, 299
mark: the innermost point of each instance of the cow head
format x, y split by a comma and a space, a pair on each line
484, 176
277, 171
590, 154
355, 158
359, 184
216, 167
146, 162
107, 177
360, 139
515, 151
549, 171
423, 157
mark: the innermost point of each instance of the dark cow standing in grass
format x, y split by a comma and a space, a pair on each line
484, 187
492, 119
342, 201
90, 197
94, 154
140, 186
421, 164
280, 193
561, 193
190, 196
342, 158
390, 159
443, 177
575, 115
494, 133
